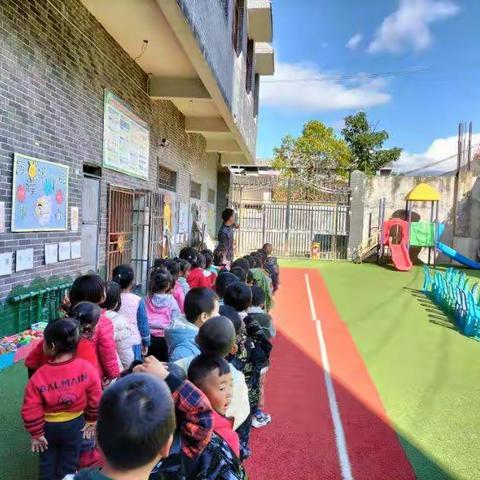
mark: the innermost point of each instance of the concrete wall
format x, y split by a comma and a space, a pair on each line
56, 61
461, 217
212, 27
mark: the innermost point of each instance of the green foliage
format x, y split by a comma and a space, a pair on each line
317, 150
366, 145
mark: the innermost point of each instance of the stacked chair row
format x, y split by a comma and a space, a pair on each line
452, 292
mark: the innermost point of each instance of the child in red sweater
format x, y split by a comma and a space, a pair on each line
196, 277
87, 314
91, 288
61, 402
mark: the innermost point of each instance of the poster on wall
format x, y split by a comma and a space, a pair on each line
63, 251
183, 218
51, 253
39, 195
126, 139
74, 215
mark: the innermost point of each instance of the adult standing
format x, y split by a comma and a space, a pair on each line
226, 232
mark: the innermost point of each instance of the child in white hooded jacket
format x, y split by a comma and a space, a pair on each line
122, 334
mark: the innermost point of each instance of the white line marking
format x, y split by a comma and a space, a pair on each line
332, 397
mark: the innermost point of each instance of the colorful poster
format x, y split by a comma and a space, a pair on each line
5, 264
183, 218
63, 251
126, 139
24, 259
2, 217
74, 219
51, 253
39, 195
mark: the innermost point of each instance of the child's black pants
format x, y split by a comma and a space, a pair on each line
64, 442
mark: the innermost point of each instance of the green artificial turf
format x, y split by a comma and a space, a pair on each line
427, 374
16, 460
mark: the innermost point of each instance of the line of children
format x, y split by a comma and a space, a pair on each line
225, 357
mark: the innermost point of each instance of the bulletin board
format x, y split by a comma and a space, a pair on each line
126, 139
39, 195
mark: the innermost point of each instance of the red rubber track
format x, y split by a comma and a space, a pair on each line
300, 442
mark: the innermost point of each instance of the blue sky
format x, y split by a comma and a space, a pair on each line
432, 45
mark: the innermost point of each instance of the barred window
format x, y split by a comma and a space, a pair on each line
237, 25
256, 94
196, 190
211, 196
250, 62
167, 178
225, 4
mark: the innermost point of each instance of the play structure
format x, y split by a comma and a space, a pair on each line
452, 292
397, 236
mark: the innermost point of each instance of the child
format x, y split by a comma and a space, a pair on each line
184, 271
220, 259
121, 328
137, 321
271, 265
91, 288
209, 270
224, 279
239, 296
177, 291
240, 273
201, 304
252, 354
257, 312
87, 314
217, 337
212, 375
61, 402
161, 310
263, 280
195, 277
135, 428
195, 423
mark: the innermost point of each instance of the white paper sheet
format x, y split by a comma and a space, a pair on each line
51, 253
24, 259
76, 249
63, 251
5, 264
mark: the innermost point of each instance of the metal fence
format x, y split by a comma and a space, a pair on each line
293, 228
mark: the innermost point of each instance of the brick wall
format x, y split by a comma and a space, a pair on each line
211, 22
55, 62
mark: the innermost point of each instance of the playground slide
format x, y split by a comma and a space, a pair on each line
453, 254
458, 257
400, 257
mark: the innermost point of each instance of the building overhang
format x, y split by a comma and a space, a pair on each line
264, 59
177, 67
260, 21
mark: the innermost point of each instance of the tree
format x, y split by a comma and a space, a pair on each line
366, 145
316, 151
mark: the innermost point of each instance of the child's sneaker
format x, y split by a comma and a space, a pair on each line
261, 419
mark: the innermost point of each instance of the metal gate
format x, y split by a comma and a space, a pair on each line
293, 228
135, 233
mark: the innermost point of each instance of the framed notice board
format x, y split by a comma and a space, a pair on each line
126, 139
39, 195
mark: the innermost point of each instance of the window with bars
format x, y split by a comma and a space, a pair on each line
167, 178
237, 25
211, 196
250, 61
196, 190
225, 4
256, 95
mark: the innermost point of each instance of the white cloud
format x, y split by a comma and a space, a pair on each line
440, 149
292, 88
355, 41
409, 26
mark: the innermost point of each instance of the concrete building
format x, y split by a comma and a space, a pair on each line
147, 102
